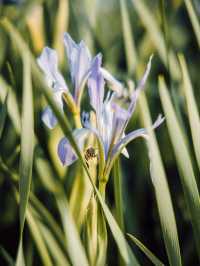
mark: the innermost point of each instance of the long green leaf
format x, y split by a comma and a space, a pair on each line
74, 245
124, 249
49, 220
130, 50
26, 157
194, 19
9, 260
27, 140
146, 251
191, 108
183, 161
3, 114
12, 107
117, 176
52, 244
163, 198
37, 237
156, 36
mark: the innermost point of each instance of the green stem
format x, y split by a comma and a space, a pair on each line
118, 194
118, 198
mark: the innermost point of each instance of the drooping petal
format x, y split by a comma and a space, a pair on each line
66, 153
96, 85
134, 134
48, 62
79, 59
49, 118
114, 84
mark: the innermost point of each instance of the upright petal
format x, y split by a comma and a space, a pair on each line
48, 62
139, 88
96, 85
79, 59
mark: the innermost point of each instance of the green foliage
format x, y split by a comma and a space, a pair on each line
78, 233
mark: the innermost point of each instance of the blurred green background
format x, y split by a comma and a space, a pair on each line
99, 23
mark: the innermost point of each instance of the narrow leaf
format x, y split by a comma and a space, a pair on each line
3, 114
130, 50
191, 108
37, 237
27, 140
12, 107
194, 19
74, 245
163, 198
9, 260
146, 251
183, 159
52, 244
152, 27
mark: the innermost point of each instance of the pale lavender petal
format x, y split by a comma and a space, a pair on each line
48, 62
114, 84
139, 88
66, 153
79, 59
96, 85
120, 117
135, 134
49, 118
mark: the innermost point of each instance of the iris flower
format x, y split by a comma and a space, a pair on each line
80, 65
110, 125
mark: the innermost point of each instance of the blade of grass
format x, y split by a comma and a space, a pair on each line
146, 251
194, 19
38, 239
3, 114
117, 176
163, 198
53, 246
183, 159
27, 140
12, 107
156, 36
124, 249
118, 197
9, 260
49, 220
130, 50
191, 108
74, 245
61, 25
